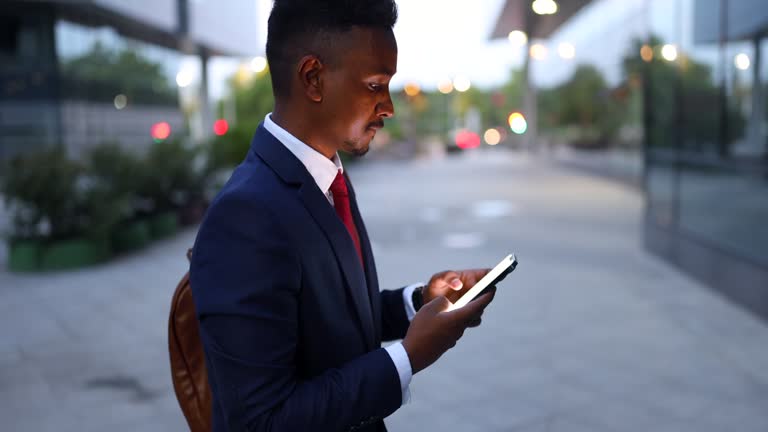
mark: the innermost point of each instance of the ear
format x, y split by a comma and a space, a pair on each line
311, 69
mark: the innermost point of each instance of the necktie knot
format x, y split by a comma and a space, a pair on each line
339, 185
342, 206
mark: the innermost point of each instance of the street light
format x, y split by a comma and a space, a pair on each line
544, 7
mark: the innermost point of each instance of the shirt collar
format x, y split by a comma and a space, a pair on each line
322, 169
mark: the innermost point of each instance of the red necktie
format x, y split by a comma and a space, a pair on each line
341, 204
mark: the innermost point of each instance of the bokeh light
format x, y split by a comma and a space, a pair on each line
518, 38
544, 7
538, 51
467, 140
566, 50
412, 89
461, 84
160, 131
220, 127
445, 86
669, 52
742, 61
646, 53
258, 64
184, 77
120, 101
492, 136
517, 123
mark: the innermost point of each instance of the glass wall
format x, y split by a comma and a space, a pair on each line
97, 64
28, 115
707, 143
114, 89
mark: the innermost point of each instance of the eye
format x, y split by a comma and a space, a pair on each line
375, 87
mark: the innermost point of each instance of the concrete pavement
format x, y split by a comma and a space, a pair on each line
590, 333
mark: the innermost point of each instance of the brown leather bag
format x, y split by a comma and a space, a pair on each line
188, 372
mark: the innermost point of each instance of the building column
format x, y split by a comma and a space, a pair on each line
756, 132
530, 105
206, 115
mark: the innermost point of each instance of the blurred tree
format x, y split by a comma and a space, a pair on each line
253, 100
585, 104
50, 195
684, 101
102, 73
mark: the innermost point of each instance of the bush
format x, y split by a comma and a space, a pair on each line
52, 196
171, 177
121, 173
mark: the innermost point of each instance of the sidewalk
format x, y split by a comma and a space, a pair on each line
589, 334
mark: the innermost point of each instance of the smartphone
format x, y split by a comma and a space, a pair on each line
496, 275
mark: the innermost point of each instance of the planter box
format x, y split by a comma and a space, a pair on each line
24, 255
75, 253
163, 225
131, 236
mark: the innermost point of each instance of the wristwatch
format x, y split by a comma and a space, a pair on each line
417, 298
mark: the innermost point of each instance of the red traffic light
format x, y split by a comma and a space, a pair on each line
160, 131
220, 127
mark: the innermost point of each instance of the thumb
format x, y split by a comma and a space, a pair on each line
474, 308
437, 305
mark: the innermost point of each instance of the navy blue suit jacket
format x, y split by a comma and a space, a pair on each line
290, 321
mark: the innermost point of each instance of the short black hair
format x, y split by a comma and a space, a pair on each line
299, 27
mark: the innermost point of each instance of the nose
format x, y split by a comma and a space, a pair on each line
385, 108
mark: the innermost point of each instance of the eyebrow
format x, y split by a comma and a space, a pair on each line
384, 71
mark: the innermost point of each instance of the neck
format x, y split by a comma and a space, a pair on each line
299, 124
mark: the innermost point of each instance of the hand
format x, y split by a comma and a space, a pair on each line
452, 285
434, 331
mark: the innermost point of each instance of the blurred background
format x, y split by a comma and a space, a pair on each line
619, 147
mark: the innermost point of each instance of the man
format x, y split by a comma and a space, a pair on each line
291, 316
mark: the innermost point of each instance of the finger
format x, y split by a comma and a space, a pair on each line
451, 280
471, 277
475, 322
437, 305
473, 309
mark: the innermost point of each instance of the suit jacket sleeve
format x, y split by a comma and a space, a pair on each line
394, 320
245, 280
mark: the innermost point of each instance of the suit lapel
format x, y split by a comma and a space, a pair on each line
291, 170
346, 253
372, 278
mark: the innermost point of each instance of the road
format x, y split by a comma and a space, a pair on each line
590, 333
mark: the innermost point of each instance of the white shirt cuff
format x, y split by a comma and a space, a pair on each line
403, 365
410, 311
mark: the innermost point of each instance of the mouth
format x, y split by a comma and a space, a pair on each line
375, 126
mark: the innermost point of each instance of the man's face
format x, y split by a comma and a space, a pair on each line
356, 88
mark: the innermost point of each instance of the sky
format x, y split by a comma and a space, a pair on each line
440, 39
437, 39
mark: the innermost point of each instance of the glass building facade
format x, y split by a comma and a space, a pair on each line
691, 76
82, 73
704, 71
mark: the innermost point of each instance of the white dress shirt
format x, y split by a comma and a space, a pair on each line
324, 171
